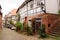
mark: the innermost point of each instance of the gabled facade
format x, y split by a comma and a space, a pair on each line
43, 11
12, 16
33, 7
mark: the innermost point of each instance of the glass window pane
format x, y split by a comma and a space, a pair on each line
29, 13
38, 9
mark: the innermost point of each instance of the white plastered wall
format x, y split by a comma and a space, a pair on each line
51, 6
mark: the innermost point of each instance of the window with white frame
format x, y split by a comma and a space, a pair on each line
25, 13
29, 13
32, 12
35, 11
25, 7
28, 6
38, 2
34, 6
31, 4
38, 10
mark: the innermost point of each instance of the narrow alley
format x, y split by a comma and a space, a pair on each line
7, 34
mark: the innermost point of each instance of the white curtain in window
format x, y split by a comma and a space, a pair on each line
35, 11
31, 11
38, 9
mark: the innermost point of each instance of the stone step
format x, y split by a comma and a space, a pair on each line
56, 35
56, 30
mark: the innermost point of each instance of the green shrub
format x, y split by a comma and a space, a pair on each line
59, 11
19, 25
25, 26
42, 31
30, 31
11, 22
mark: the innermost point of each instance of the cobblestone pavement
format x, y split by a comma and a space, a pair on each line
7, 34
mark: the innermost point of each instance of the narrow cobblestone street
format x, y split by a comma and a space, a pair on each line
7, 34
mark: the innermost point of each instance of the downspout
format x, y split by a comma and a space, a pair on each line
45, 5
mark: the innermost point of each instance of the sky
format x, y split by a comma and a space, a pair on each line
8, 5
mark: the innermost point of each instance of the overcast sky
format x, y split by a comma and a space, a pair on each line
8, 5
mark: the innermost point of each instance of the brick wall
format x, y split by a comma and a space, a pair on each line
46, 19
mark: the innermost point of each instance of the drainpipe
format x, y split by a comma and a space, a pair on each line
45, 5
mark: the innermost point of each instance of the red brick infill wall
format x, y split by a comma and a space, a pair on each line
47, 18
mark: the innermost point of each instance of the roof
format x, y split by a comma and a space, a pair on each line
13, 12
23, 4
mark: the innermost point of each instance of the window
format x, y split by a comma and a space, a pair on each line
32, 12
38, 3
38, 9
35, 11
49, 25
29, 13
31, 4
